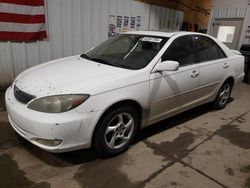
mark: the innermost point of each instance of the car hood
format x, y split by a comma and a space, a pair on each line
69, 75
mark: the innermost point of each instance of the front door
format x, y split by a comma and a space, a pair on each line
174, 91
228, 31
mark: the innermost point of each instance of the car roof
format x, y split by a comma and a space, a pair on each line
159, 33
181, 33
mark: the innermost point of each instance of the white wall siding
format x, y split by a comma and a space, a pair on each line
228, 13
165, 19
6, 64
230, 3
74, 27
231, 12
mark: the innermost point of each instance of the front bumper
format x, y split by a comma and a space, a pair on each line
72, 128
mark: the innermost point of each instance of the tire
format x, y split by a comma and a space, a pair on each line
116, 131
20, 139
223, 96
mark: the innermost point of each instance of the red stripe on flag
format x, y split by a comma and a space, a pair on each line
21, 18
22, 36
24, 2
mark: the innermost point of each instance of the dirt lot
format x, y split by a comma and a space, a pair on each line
199, 148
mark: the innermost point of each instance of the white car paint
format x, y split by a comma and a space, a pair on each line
160, 94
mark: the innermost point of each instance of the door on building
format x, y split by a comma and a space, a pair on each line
228, 31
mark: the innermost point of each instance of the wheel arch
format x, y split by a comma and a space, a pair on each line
128, 103
216, 102
230, 79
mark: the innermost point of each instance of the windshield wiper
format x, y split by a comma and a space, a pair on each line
102, 61
85, 56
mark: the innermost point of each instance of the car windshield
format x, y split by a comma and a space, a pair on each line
127, 50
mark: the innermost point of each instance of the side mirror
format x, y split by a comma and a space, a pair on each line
166, 66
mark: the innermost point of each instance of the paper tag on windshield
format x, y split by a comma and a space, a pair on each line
151, 39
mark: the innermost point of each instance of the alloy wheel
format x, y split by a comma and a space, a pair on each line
119, 130
224, 94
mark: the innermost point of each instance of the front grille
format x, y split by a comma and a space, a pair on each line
22, 96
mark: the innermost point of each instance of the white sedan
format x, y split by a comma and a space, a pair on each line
103, 97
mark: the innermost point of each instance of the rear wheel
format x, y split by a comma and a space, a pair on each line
116, 131
223, 96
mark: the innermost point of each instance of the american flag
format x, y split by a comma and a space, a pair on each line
22, 20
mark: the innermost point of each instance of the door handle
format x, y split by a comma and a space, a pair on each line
225, 66
194, 74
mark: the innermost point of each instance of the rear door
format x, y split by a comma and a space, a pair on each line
212, 63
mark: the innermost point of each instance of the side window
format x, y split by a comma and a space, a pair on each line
221, 53
207, 49
181, 50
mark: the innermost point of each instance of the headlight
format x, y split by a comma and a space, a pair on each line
57, 103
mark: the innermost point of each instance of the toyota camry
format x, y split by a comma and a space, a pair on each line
101, 98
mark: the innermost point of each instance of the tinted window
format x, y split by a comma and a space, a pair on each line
207, 49
221, 53
181, 50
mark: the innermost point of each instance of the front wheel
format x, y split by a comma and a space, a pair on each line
20, 139
223, 96
116, 131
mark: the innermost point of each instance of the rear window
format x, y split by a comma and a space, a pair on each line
207, 49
